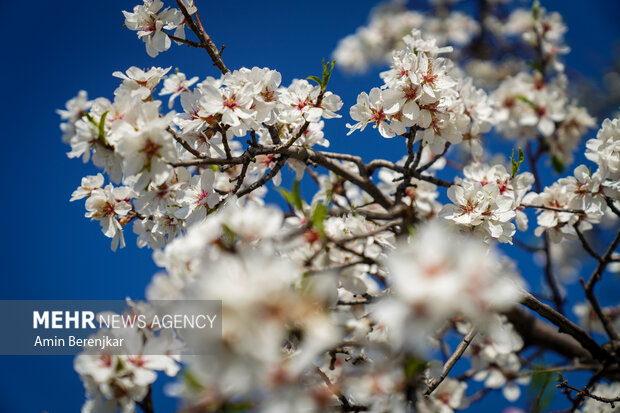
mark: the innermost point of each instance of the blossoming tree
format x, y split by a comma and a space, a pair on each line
386, 290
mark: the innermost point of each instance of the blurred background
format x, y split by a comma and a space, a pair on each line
54, 49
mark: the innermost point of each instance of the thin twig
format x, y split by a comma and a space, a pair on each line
435, 159
205, 40
346, 405
550, 208
585, 244
264, 179
184, 144
594, 278
185, 41
451, 361
586, 393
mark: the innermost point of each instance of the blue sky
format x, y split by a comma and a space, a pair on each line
54, 49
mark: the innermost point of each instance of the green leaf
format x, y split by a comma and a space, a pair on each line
517, 163
101, 127
413, 366
536, 9
558, 164
539, 388
536, 65
191, 381
318, 218
327, 72
91, 119
293, 198
316, 79
299, 203
524, 99
411, 230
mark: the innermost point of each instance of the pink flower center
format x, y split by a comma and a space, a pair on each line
231, 102
410, 92
469, 207
151, 149
377, 116
202, 197
429, 77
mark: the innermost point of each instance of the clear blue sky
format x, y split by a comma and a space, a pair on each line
53, 49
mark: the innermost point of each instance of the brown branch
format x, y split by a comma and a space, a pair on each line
394, 213
225, 143
556, 294
373, 165
549, 208
538, 333
610, 204
184, 144
458, 353
264, 179
432, 179
585, 244
147, 403
205, 40
566, 326
411, 157
346, 405
435, 159
185, 41
586, 393
598, 272
305, 155
594, 278
374, 232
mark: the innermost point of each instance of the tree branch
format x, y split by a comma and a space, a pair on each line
566, 326
205, 40
452, 361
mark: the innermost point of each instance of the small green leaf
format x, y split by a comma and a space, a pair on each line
536, 9
288, 197
191, 381
327, 72
539, 388
318, 218
293, 198
299, 203
413, 366
558, 164
536, 65
91, 119
411, 230
101, 127
316, 79
517, 163
524, 99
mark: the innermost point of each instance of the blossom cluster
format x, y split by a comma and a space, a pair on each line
531, 107
422, 93
431, 284
137, 144
577, 202
487, 200
388, 23
120, 380
150, 23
